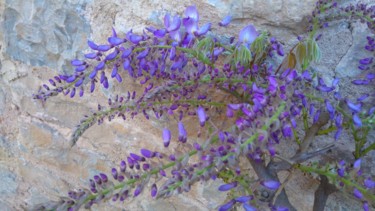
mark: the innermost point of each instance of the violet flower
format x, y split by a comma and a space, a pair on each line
225, 21
166, 137
271, 184
201, 116
191, 20
247, 35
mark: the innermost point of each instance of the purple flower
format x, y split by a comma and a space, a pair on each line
365, 206
114, 173
182, 135
147, 153
369, 183
227, 206
137, 157
287, 131
248, 207
330, 109
248, 35
270, 184
357, 121
243, 199
354, 107
225, 21
137, 190
191, 20
154, 190
357, 193
357, 165
201, 116
366, 61
166, 137
92, 45
338, 133
172, 24
360, 82
203, 30
115, 41
77, 62
227, 187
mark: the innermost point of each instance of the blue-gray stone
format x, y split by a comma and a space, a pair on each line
44, 32
8, 184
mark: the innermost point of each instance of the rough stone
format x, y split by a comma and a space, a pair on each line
44, 33
36, 161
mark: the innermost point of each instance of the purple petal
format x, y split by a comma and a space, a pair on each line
203, 30
201, 116
190, 24
354, 107
248, 34
357, 164
147, 153
100, 66
192, 13
174, 24
243, 199
104, 47
135, 39
366, 61
227, 206
154, 190
360, 82
166, 137
91, 55
137, 157
225, 21
182, 135
160, 33
227, 187
287, 131
77, 62
357, 121
92, 45
115, 41
369, 183
357, 193
370, 76
248, 207
271, 184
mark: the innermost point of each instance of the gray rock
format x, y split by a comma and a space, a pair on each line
44, 33
8, 183
2, 101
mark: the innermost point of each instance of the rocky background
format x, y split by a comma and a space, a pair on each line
38, 38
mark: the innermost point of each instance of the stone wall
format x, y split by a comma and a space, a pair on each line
38, 38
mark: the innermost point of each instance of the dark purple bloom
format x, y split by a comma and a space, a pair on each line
112, 55
114, 173
147, 153
160, 33
287, 131
227, 187
363, 97
248, 35
366, 61
154, 190
135, 39
182, 135
137, 157
103, 177
270, 184
166, 137
201, 116
100, 66
338, 133
225, 21
306, 75
370, 76
137, 190
227, 206
123, 166
197, 146
357, 193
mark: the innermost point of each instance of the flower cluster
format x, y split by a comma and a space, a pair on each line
182, 68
